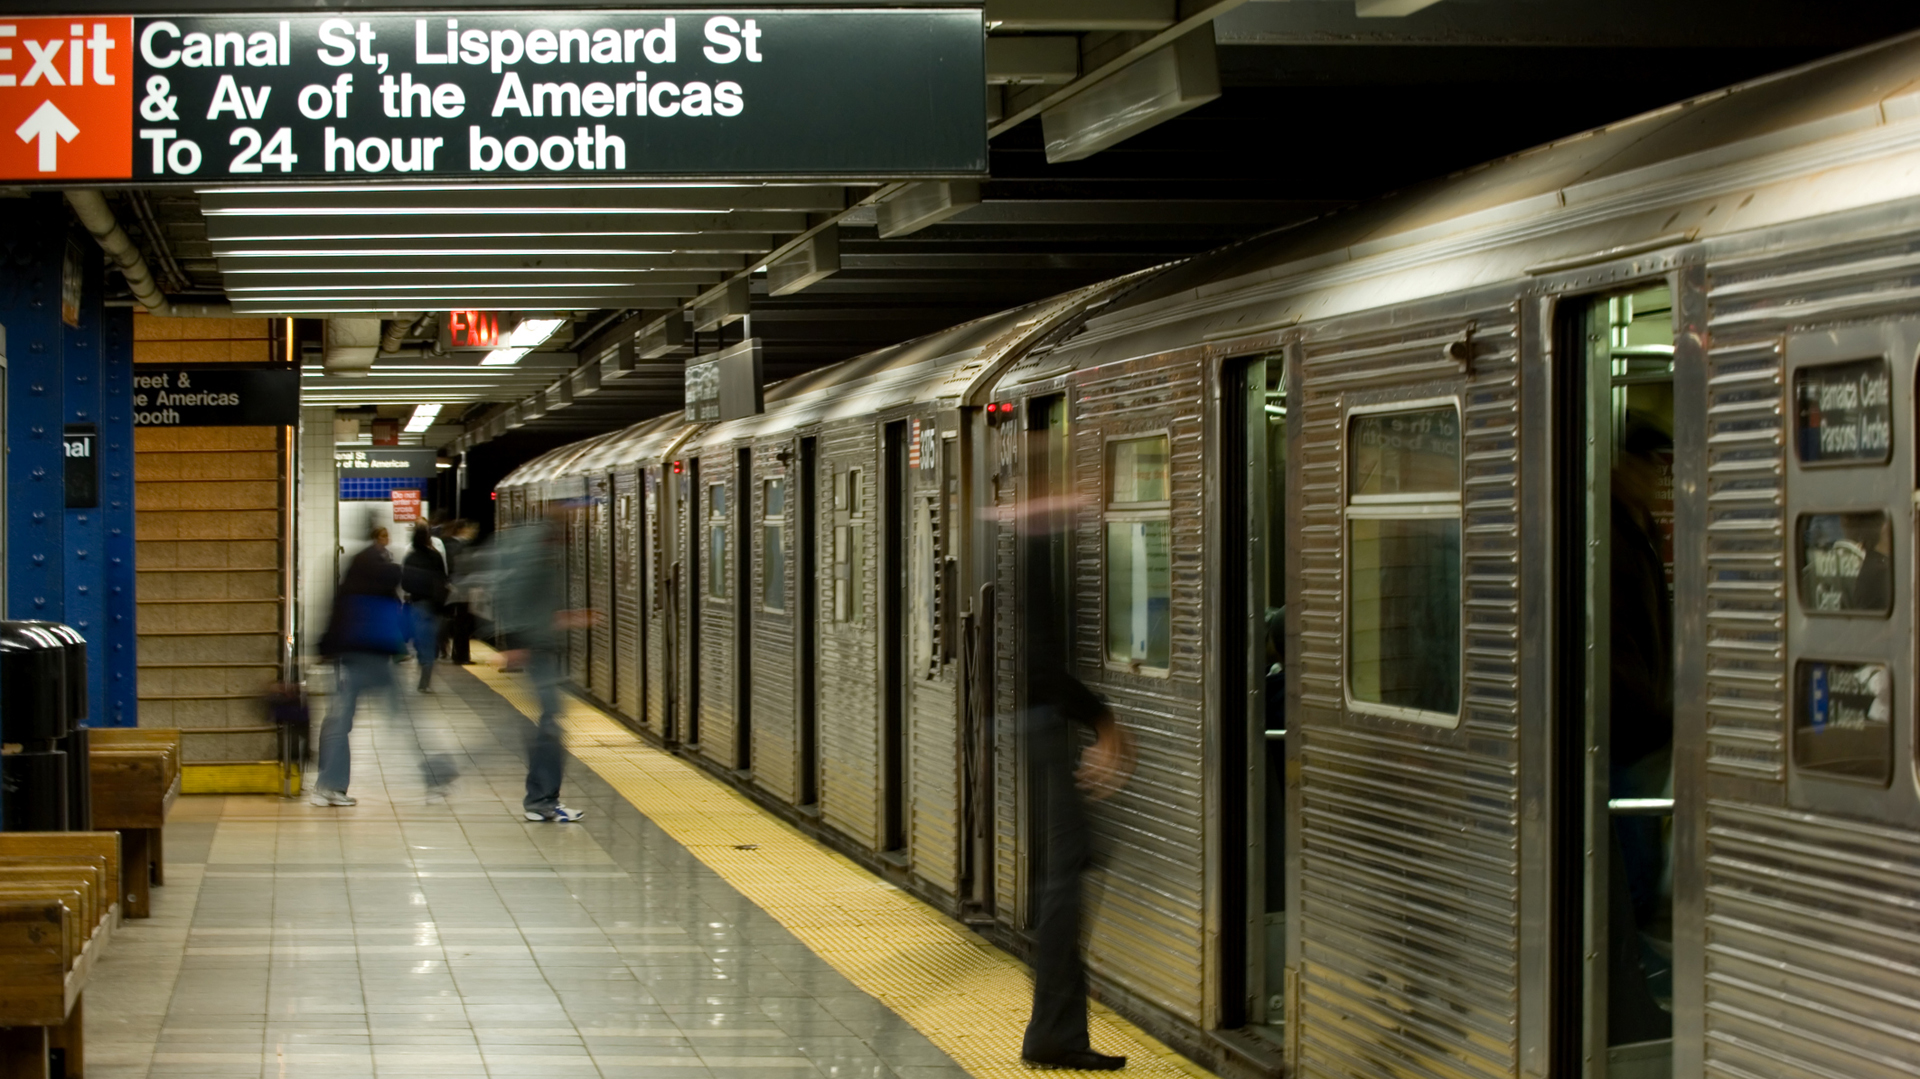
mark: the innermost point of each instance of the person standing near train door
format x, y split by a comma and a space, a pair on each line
1060, 788
529, 583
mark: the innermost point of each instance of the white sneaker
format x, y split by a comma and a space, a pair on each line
559, 814
325, 797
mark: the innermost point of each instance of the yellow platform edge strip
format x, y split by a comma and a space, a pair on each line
966, 995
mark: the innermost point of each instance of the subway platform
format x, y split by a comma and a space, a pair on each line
679, 931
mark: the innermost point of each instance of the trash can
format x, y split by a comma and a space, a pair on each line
33, 684
36, 712
79, 766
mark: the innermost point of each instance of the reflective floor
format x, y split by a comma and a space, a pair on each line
426, 936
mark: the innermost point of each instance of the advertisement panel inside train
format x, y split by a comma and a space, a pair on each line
496, 95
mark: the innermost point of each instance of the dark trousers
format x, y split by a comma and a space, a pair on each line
1065, 850
459, 633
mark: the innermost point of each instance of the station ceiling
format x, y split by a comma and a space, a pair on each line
1322, 103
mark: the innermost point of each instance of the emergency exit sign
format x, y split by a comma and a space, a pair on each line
724, 93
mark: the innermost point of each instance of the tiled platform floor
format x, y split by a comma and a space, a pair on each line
424, 937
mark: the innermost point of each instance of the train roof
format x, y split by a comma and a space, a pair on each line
1809, 141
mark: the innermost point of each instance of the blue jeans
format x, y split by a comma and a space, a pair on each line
426, 638
546, 760
360, 673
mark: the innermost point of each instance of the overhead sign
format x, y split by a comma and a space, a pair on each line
220, 396
518, 95
725, 385
357, 460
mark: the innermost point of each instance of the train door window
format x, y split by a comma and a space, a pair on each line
773, 544
1139, 529
717, 540
1403, 550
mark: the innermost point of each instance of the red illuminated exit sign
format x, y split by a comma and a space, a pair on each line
475, 329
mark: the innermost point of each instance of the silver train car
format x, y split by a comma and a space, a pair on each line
1400, 535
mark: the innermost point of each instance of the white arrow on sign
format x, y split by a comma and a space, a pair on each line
51, 127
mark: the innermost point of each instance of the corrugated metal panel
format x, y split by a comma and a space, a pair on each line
933, 787
1813, 964
579, 593
600, 587
717, 669
1812, 939
653, 539
626, 594
1009, 836
1409, 838
775, 737
849, 658
1148, 934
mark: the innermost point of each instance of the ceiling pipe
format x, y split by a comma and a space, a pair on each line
397, 329
98, 218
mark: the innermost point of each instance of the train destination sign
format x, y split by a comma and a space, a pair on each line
531, 95
1844, 413
222, 396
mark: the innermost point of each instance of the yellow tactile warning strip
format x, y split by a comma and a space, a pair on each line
968, 997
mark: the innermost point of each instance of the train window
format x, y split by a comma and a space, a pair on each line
1139, 566
773, 540
717, 540
854, 506
1403, 546
1846, 563
1844, 413
1843, 720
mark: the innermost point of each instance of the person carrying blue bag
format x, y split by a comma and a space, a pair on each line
369, 627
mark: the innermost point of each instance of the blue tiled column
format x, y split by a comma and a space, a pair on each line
32, 248
119, 703
82, 532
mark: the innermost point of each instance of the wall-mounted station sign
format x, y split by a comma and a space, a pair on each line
220, 396
357, 460
534, 95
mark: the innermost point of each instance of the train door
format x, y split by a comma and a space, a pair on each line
743, 611
1253, 735
1613, 731
1045, 560
808, 594
671, 535
894, 643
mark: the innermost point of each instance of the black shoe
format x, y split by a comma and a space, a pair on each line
1079, 1060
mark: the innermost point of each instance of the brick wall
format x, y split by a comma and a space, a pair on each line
211, 551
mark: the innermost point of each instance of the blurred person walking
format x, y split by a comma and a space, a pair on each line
1061, 787
529, 585
365, 632
424, 580
458, 539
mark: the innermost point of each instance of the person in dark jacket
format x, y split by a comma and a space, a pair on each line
424, 580
364, 633
529, 590
1057, 704
457, 538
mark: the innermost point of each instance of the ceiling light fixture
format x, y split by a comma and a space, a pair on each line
530, 334
422, 418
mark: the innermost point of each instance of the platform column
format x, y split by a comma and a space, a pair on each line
82, 533
34, 248
120, 705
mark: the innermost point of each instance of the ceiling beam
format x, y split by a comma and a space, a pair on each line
517, 200
247, 262
377, 225
1149, 15
734, 243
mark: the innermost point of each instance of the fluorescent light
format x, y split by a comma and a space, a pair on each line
500, 357
533, 332
422, 418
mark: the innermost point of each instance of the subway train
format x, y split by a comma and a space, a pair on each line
1509, 583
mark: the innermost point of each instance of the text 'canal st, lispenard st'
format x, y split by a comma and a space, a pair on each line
737, 93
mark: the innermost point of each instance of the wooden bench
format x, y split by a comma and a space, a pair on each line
59, 903
135, 777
